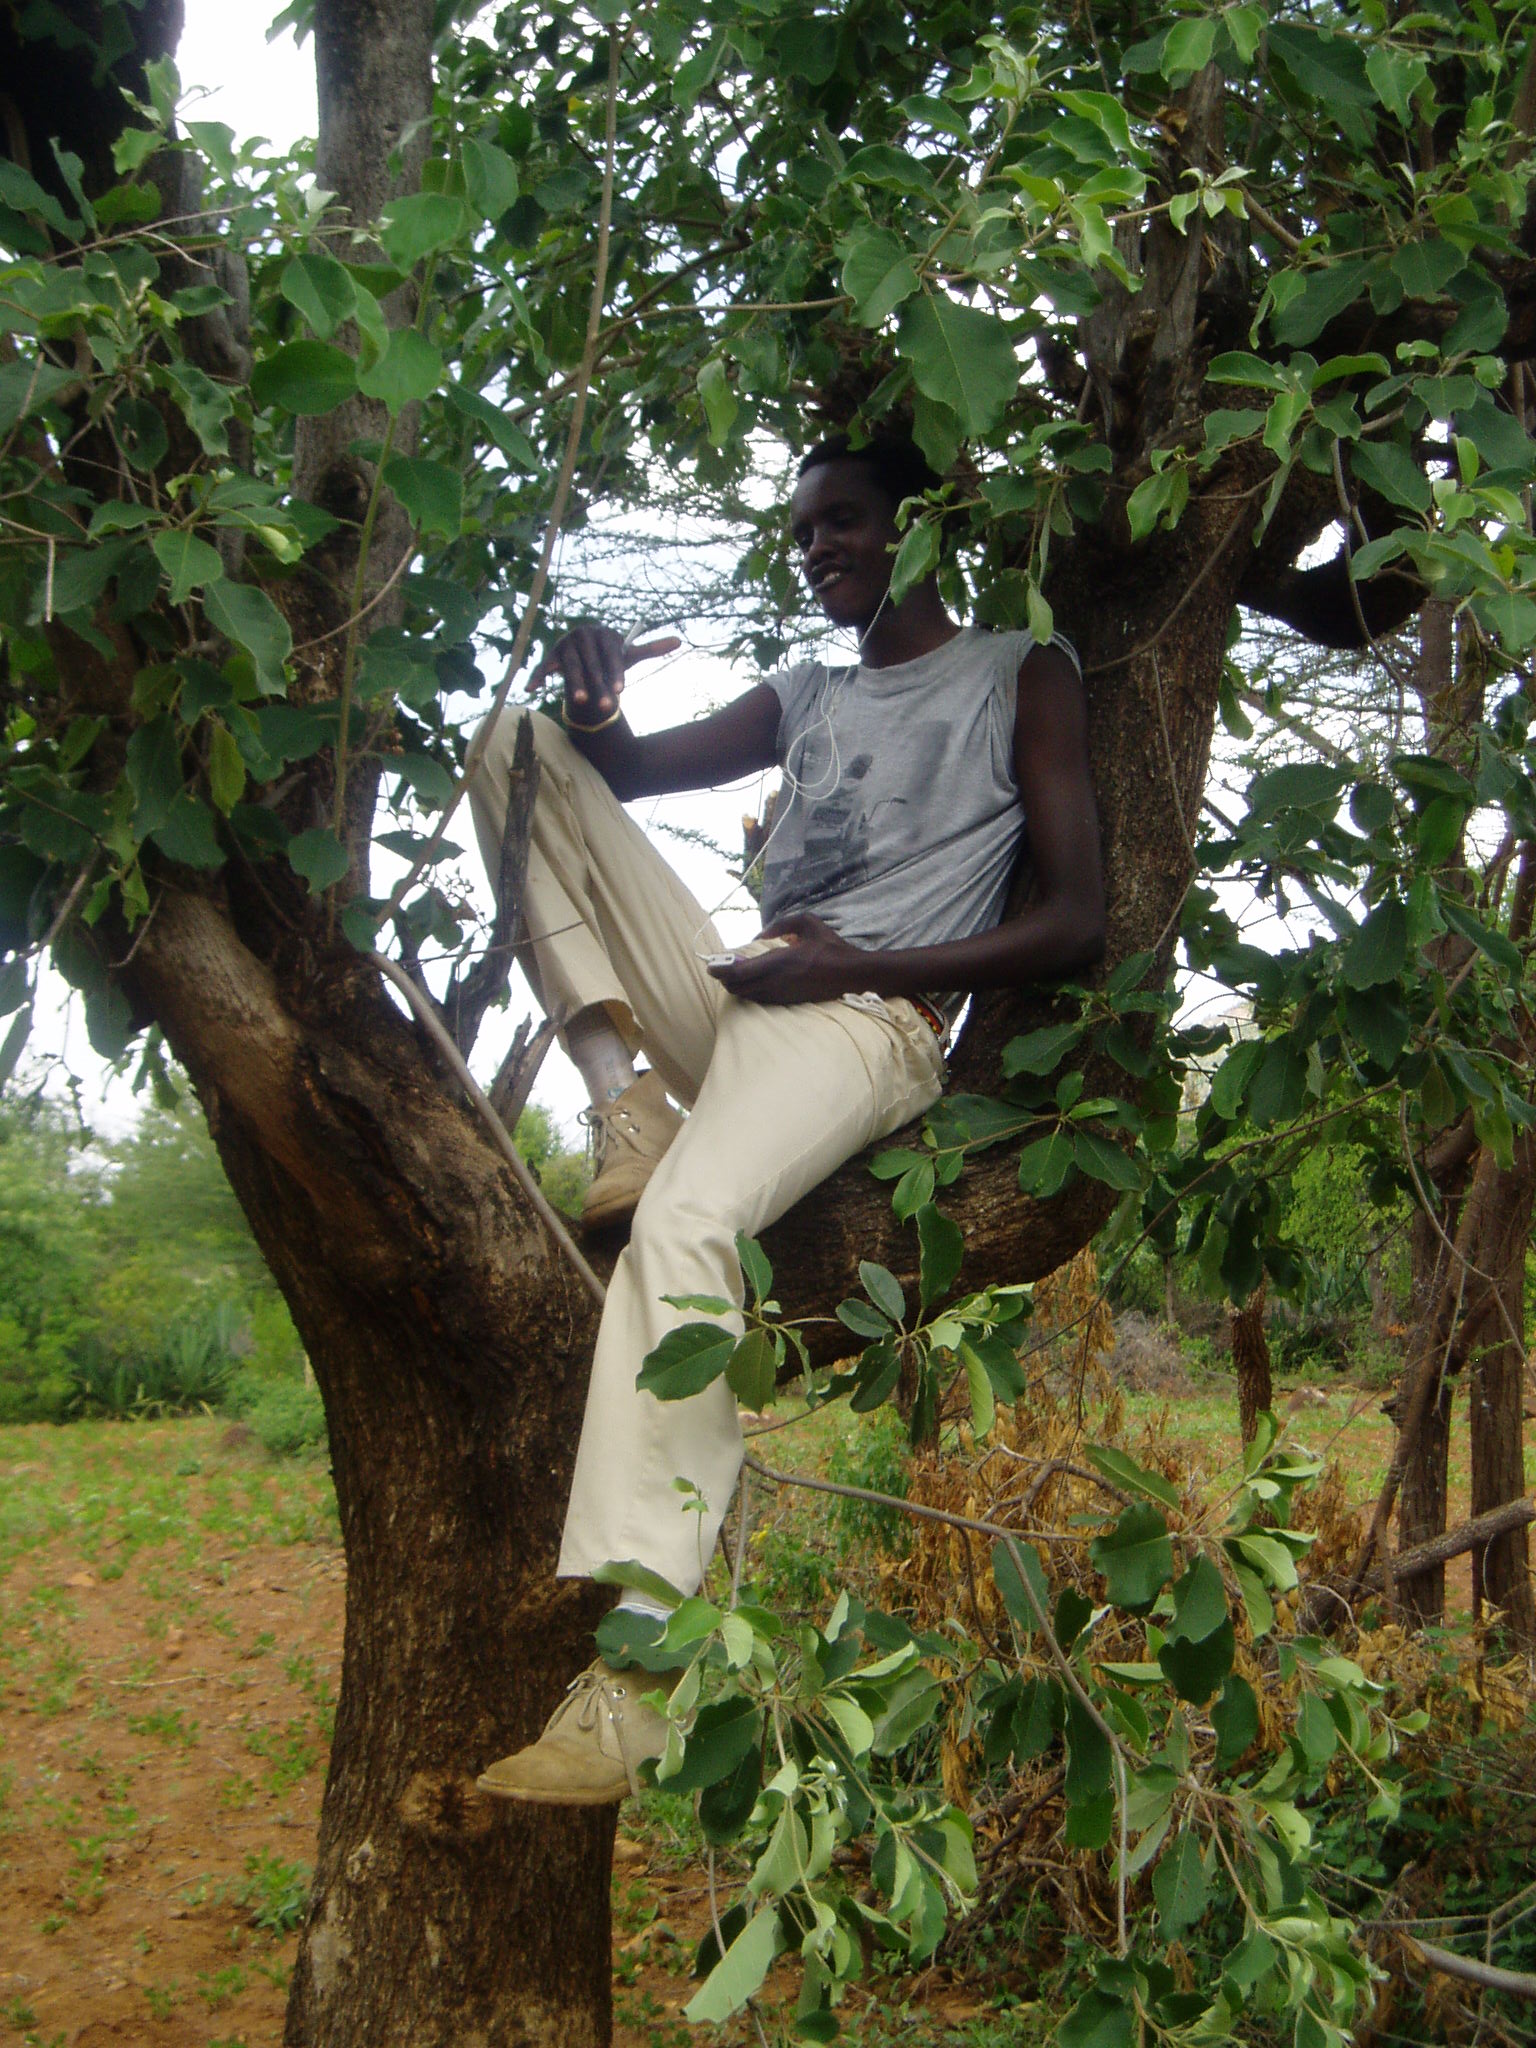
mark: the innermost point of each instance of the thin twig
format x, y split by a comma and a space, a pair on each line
1517, 1983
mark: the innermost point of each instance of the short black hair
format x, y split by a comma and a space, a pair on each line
895, 462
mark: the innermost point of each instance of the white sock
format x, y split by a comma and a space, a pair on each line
642, 1603
599, 1055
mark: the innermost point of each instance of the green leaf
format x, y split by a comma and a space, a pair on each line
1090, 1821
1395, 77
1101, 1160
883, 1289
726, 1806
1500, 950
1387, 467
309, 377
431, 492
410, 369
1040, 1052
1045, 1164
740, 1970
419, 225
1315, 1730
1257, 373
1136, 1558
1098, 2021
321, 289
1007, 1559
186, 560
863, 1320
1233, 1077
1179, 1886
752, 1369
188, 834
961, 357
206, 406
1378, 952
1196, 1669
26, 388
226, 768
979, 1387
720, 403
1235, 1718
319, 856
1088, 1753
245, 614
1188, 47
1279, 1086
878, 273
686, 1361
1299, 785
490, 178
943, 1248
1326, 294
755, 1267
1000, 1362
1199, 1602
1124, 1472
723, 1733
639, 1578
153, 767
15, 1042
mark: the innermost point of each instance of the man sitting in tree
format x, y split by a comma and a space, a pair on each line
908, 780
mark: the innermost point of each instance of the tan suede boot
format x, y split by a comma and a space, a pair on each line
630, 1135
592, 1746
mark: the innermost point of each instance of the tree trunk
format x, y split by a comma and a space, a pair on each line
1250, 1357
1421, 1508
451, 1348
1501, 1574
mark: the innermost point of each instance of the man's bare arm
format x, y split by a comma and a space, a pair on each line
737, 740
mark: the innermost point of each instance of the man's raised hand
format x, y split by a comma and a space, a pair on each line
591, 660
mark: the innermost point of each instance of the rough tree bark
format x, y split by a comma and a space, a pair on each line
1250, 1360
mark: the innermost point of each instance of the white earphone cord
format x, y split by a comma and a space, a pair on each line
830, 697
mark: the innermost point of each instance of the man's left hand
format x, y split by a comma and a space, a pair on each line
811, 965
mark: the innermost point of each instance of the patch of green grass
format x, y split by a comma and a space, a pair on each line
218, 1988
275, 1893
166, 1724
289, 1757
163, 1999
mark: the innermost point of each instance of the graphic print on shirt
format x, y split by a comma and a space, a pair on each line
834, 855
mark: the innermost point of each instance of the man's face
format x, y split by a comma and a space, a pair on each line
844, 528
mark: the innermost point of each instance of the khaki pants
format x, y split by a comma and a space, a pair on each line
777, 1098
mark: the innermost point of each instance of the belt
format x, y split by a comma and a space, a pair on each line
932, 1016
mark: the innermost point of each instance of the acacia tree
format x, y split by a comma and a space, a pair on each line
281, 451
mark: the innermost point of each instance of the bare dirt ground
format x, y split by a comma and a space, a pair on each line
170, 1641
172, 1622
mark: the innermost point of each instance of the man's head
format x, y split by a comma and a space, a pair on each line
843, 520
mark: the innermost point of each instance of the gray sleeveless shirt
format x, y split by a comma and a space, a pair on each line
900, 819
